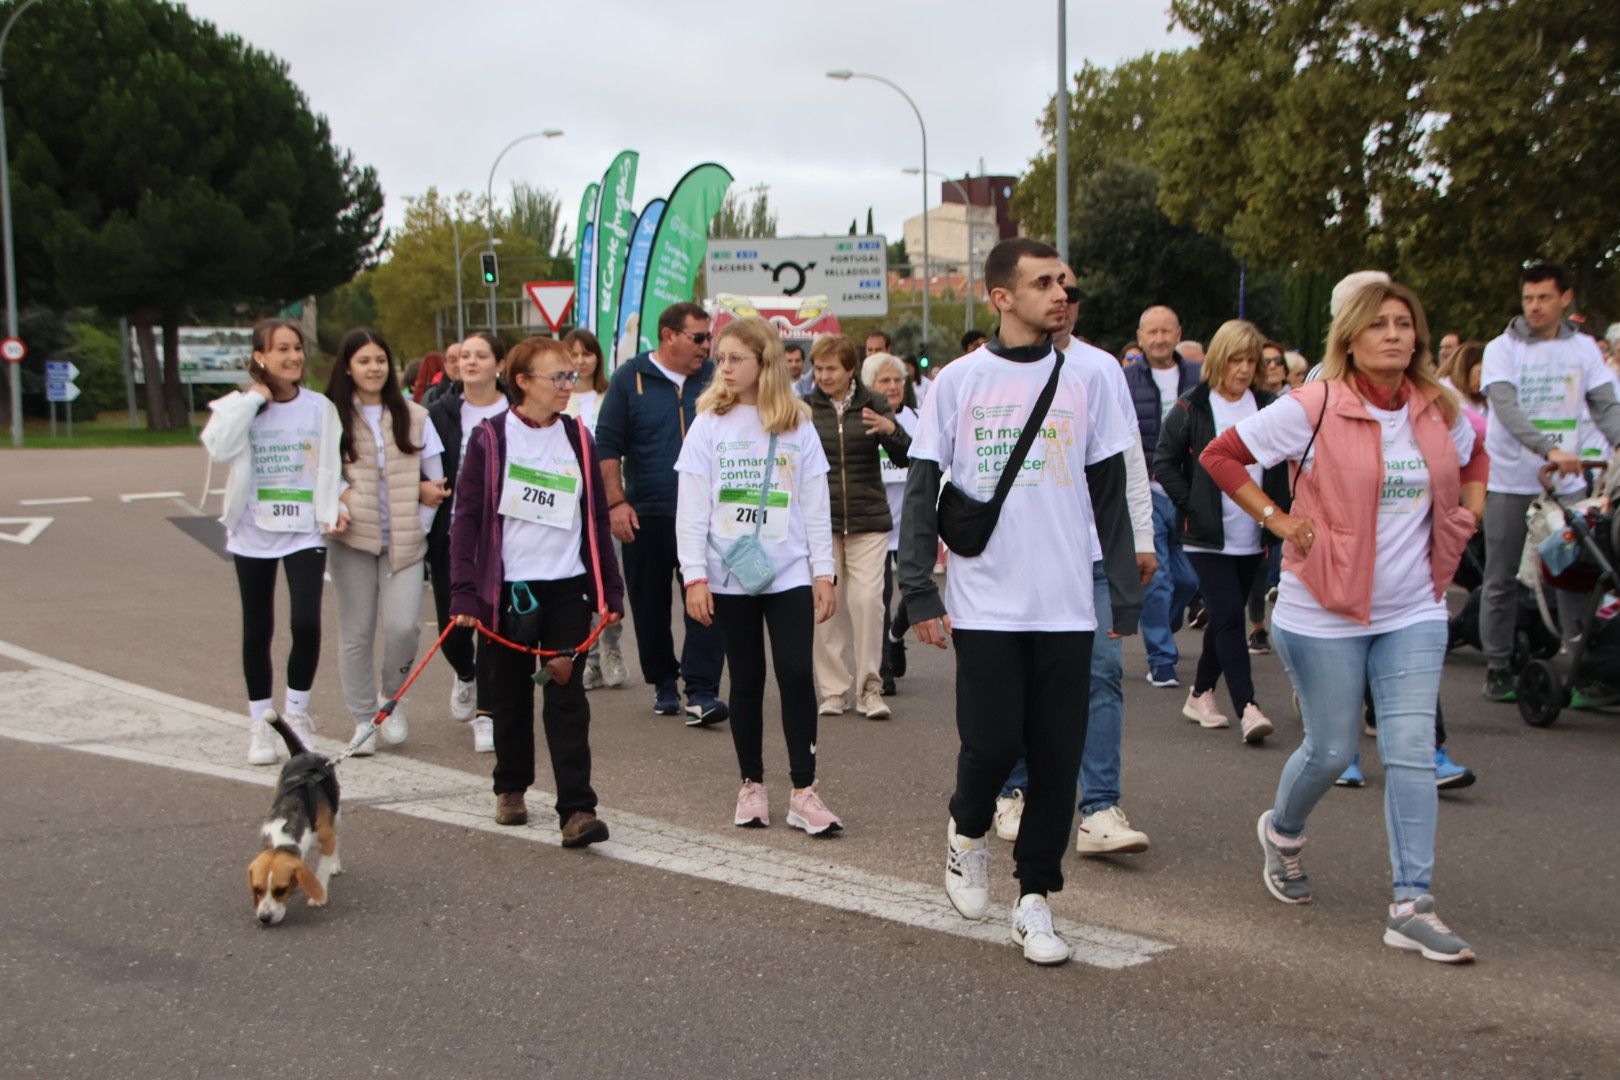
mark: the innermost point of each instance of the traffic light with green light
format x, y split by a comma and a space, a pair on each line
922, 363
492, 270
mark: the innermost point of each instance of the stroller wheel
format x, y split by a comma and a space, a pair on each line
1541, 693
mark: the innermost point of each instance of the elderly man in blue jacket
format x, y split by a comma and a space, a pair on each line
1155, 386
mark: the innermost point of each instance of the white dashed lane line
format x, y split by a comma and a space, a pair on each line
138, 496
59, 704
55, 502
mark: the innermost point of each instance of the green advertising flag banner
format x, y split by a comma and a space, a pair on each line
679, 246
584, 241
615, 221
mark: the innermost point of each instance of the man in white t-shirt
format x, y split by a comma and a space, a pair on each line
1539, 374
1020, 612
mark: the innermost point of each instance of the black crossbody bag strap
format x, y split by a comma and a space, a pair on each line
1026, 438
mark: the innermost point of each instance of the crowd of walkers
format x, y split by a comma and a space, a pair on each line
1079, 495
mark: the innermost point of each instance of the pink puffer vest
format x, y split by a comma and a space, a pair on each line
1340, 494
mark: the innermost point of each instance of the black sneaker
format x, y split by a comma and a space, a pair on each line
1500, 685
1259, 642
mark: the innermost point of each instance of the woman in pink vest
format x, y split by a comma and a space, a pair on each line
1389, 487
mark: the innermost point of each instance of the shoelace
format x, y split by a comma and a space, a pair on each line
1433, 920
972, 864
1035, 919
812, 801
1293, 866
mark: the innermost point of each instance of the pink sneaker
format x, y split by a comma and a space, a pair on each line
806, 811
1200, 709
1256, 726
753, 808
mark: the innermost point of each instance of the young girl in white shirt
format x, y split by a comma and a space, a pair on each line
281, 442
749, 405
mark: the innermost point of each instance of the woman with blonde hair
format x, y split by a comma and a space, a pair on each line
1390, 486
752, 473
1224, 545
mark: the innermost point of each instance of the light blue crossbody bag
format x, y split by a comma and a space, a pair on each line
746, 560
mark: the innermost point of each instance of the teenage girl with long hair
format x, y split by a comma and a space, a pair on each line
393, 478
748, 405
281, 501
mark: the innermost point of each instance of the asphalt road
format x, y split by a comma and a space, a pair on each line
452, 949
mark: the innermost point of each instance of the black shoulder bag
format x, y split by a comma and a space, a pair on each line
965, 523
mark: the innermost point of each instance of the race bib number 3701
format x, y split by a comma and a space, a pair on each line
285, 509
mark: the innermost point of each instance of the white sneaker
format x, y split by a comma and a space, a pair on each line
1032, 931
593, 677
463, 699
1202, 710
483, 735
872, 706
369, 747
613, 673
262, 740
395, 728
1107, 832
967, 873
1009, 814
303, 726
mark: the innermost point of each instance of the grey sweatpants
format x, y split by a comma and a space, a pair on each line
369, 592
1499, 602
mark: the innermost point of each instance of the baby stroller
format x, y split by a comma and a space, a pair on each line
1577, 555
1532, 640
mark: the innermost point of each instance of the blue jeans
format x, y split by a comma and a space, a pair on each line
1173, 586
1403, 670
1099, 765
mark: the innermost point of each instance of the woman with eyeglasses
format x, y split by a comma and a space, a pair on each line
748, 411
532, 557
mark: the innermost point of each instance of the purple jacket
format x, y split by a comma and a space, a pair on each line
476, 571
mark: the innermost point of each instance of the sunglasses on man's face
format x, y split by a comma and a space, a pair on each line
1072, 293
698, 337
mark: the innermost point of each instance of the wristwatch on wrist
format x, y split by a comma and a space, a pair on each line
1268, 513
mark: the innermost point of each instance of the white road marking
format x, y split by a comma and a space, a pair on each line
66, 706
151, 495
55, 502
215, 491
31, 528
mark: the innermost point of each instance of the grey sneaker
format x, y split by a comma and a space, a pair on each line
613, 672
1284, 873
1422, 931
593, 676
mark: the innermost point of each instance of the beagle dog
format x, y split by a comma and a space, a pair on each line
303, 820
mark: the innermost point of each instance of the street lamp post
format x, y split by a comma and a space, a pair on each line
489, 203
967, 216
1061, 128
15, 375
844, 75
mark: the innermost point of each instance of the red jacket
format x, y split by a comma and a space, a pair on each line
1340, 493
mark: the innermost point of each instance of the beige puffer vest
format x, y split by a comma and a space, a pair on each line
407, 544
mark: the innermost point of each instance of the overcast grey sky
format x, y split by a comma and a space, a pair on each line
429, 92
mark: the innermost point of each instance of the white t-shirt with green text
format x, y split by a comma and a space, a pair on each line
1035, 574
284, 452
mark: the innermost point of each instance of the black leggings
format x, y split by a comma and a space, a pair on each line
256, 579
898, 621
1225, 581
790, 617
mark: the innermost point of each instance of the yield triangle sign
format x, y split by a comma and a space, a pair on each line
31, 528
553, 298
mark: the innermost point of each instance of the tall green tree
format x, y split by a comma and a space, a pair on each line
163, 168
743, 218
1113, 115
1446, 141
1128, 254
